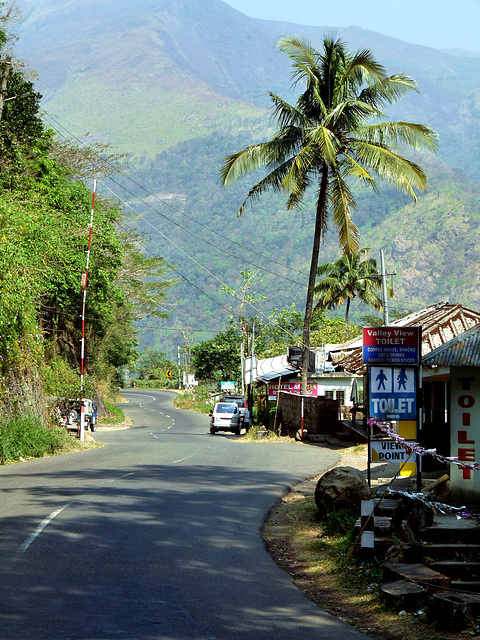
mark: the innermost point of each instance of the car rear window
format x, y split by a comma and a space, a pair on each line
226, 408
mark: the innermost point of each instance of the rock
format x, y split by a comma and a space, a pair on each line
405, 553
341, 488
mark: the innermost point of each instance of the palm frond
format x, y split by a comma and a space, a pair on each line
404, 174
342, 202
388, 90
414, 135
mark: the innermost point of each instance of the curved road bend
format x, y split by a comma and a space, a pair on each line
155, 537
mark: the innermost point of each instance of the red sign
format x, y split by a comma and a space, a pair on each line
391, 345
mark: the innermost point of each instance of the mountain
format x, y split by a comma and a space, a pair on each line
179, 84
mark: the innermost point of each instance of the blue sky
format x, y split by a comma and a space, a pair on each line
441, 24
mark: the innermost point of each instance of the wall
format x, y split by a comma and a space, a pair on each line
320, 416
22, 394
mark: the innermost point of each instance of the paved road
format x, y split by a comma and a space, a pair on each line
154, 537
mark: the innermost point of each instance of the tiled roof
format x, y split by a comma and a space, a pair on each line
440, 323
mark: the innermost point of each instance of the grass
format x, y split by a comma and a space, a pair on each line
24, 437
116, 415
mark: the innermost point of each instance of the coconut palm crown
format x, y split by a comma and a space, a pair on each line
352, 275
331, 135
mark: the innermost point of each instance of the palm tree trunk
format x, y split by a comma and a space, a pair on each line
347, 311
318, 235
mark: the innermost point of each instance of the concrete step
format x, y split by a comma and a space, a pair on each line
457, 552
450, 530
431, 580
403, 595
473, 586
457, 570
453, 611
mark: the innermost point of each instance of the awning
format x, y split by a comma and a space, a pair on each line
274, 375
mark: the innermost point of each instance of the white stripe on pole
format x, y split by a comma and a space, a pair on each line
84, 283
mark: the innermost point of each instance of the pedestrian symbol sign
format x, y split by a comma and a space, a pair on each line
393, 393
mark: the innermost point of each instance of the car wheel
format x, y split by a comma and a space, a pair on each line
237, 430
213, 430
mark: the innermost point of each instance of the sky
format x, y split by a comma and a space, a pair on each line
441, 24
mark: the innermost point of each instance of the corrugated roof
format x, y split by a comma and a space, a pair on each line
440, 323
271, 368
273, 375
461, 351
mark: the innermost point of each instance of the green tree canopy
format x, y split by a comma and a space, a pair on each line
351, 275
218, 359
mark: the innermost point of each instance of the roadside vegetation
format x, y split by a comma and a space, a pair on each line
24, 437
45, 210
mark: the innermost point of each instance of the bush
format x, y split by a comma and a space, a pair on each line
25, 437
197, 400
115, 414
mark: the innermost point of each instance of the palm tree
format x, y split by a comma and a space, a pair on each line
353, 274
331, 134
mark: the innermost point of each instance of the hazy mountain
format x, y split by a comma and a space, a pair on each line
178, 84
108, 66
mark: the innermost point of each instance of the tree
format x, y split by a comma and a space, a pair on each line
219, 358
353, 274
153, 365
331, 135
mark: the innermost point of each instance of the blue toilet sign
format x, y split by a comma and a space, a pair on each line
393, 393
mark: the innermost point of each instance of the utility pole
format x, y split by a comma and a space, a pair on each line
383, 275
384, 290
179, 368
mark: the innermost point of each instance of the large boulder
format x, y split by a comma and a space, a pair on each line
341, 488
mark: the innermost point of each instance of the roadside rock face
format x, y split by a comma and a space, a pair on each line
341, 488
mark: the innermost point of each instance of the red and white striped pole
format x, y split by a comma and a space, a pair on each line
84, 284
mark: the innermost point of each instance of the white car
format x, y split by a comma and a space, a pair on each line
225, 416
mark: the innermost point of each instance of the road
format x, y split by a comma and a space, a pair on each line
154, 537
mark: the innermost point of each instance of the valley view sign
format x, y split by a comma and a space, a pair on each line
392, 355
391, 345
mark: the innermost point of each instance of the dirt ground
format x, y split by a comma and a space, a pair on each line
292, 536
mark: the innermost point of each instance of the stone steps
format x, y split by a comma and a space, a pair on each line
457, 552
461, 571
432, 581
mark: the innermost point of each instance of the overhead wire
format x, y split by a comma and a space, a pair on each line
182, 213
230, 290
227, 287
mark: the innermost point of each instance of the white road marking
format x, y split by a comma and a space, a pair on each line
46, 521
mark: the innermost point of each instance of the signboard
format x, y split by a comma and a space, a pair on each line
393, 393
388, 451
391, 345
465, 429
250, 370
227, 386
291, 387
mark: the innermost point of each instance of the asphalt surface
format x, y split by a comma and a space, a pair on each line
154, 537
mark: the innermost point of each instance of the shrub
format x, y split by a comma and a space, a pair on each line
25, 437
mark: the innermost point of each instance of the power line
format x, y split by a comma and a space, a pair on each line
182, 213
